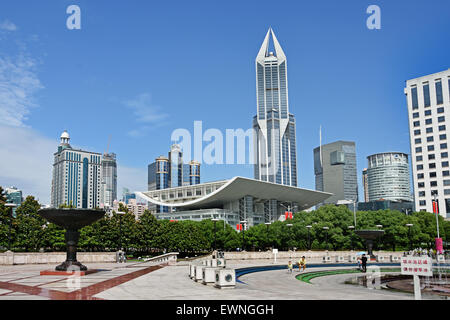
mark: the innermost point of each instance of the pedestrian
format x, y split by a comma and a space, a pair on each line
359, 263
302, 263
290, 266
364, 262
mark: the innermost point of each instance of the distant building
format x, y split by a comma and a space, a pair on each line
76, 176
365, 185
403, 206
137, 209
109, 179
127, 195
428, 103
335, 171
14, 195
388, 177
171, 172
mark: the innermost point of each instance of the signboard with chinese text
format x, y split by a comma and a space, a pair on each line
417, 266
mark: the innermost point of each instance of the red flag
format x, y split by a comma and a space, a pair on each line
239, 226
288, 215
435, 206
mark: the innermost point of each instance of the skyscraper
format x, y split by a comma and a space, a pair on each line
428, 102
388, 177
109, 180
335, 170
274, 126
76, 176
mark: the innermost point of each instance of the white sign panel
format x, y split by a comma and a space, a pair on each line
275, 250
417, 266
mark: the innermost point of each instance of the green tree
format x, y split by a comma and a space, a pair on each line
29, 227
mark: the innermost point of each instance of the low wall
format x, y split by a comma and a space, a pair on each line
10, 258
311, 256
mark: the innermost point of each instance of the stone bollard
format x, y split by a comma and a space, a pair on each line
198, 273
225, 278
209, 275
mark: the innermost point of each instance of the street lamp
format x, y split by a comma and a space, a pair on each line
214, 220
409, 225
309, 238
267, 234
379, 226
351, 237
12, 206
289, 225
121, 213
326, 235
243, 222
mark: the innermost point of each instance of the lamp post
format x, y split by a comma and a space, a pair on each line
379, 226
121, 213
409, 225
215, 221
309, 237
289, 225
267, 234
326, 235
12, 206
351, 236
243, 222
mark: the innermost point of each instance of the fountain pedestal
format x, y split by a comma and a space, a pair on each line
72, 220
369, 236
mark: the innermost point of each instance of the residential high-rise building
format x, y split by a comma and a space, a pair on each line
428, 102
335, 171
365, 185
194, 172
274, 126
388, 177
109, 180
76, 176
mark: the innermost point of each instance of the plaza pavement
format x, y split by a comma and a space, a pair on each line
148, 281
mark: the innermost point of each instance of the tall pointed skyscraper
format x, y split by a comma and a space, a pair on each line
275, 147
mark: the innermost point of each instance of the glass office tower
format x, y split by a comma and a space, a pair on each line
274, 126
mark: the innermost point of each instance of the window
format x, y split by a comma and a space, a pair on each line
447, 191
440, 110
438, 86
430, 130
422, 203
418, 149
421, 193
441, 119
416, 132
432, 165
427, 112
443, 137
416, 123
432, 174
429, 121
430, 139
443, 145
421, 185
433, 183
419, 158
420, 167
442, 127
415, 101
430, 148
444, 164
444, 155
417, 140
420, 176
415, 115
446, 182
426, 95
446, 173
431, 157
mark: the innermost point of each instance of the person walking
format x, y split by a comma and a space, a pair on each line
364, 262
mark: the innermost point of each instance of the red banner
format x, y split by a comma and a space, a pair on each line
439, 246
239, 226
435, 207
288, 215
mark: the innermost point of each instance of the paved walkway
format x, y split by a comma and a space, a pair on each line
148, 281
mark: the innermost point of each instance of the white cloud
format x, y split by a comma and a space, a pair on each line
144, 110
18, 85
8, 26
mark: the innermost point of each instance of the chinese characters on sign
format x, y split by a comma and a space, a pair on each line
417, 266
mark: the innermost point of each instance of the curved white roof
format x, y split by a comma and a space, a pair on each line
237, 188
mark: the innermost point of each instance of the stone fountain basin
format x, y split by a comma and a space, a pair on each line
71, 218
369, 234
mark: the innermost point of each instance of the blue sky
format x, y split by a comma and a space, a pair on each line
137, 70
